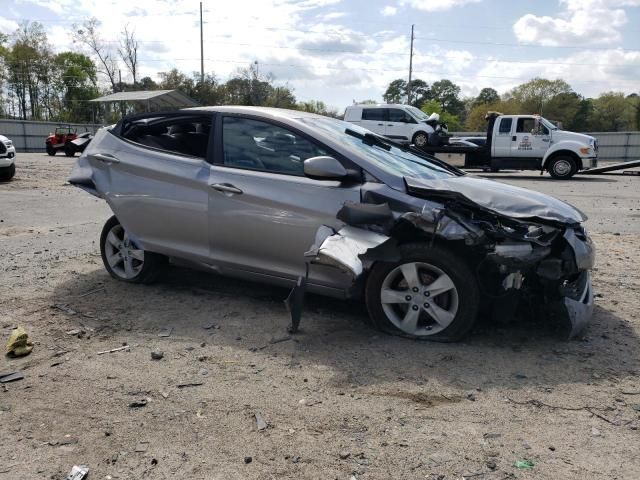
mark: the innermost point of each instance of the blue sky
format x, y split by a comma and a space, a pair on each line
344, 50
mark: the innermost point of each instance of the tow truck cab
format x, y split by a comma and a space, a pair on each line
531, 142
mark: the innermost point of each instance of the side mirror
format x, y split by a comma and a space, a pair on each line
324, 168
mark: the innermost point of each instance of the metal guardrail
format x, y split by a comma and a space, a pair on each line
612, 146
29, 136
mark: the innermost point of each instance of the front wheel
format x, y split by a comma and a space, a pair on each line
123, 259
7, 173
562, 167
50, 150
430, 294
69, 150
421, 139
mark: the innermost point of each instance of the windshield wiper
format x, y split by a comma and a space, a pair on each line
369, 139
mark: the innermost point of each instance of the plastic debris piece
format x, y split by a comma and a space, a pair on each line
260, 421
524, 464
10, 377
19, 344
124, 347
165, 332
78, 472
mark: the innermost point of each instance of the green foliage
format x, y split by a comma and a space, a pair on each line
433, 106
486, 97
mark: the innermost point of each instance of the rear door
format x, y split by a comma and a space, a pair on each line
399, 124
502, 137
264, 213
375, 119
158, 192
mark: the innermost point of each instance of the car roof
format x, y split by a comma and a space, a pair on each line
269, 112
379, 105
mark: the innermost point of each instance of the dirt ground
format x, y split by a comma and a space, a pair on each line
340, 400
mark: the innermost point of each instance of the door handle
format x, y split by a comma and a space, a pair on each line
389, 124
225, 188
104, 158
381, 124
514, 138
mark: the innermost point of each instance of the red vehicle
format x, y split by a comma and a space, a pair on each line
59, 140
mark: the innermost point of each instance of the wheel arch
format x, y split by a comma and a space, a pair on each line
562, 152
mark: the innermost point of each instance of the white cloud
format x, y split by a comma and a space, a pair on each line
436, 5
8, 26
389, 11
584, 22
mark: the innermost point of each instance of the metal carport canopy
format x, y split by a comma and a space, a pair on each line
155, 98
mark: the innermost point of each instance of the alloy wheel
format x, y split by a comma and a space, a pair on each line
123, 256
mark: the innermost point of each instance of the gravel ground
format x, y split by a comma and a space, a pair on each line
340, 400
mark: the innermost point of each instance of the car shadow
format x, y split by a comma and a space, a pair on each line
249, 316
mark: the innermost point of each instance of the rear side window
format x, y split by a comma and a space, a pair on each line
188, 135
505, 126
397, 115
256, 145
525, 125
376, 114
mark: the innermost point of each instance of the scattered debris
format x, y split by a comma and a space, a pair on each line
78, 472
142, 447
75, 331
630, 392
124, 347
19, 344
209, 325
248, 460
344, 455
10, 377
524, 464
91, 292
65, 308
165, 332
203, 371
138, 403
157, 355
595, 432
471, 395
491, 435
260, 421
186, 385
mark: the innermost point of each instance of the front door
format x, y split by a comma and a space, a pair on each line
399, 124
526, 142
264, 213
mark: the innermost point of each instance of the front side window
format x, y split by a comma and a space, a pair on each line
256, 145
505, 126
376, 114
397, 115
525, 125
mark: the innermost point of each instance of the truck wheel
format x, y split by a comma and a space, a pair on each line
7, 173
429, 294
420, 139
50, 150
562, 167
69, 150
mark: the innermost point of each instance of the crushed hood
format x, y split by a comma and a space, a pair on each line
499, 198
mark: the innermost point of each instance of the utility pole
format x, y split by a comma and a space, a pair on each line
201, 48
410, 69
257, 69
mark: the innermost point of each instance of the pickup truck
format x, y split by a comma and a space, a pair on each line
525, 142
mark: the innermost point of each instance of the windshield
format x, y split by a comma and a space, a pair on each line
548, 124
418, 113
393, 160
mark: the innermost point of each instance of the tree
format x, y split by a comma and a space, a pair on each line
487, 96
612, 112
76, 84
128, 51
564, 108
319, 107
419, 92
452, 121
88, 35
475, 121
534, 95
396, 91
447, 94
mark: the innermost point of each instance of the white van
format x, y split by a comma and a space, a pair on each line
403, 123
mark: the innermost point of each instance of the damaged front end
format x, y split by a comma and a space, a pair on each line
523, 261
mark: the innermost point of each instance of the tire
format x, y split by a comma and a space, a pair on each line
69, 150
50, 150
127, 266
562, 167
420, 139
7, 173
456, 307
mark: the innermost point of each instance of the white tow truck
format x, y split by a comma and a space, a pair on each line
524, 142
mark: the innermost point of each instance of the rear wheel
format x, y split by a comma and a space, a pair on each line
123, 259
420, 139
430, 294
562, 167
50, 150
7, 173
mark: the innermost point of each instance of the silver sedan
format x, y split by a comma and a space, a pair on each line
302, 200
